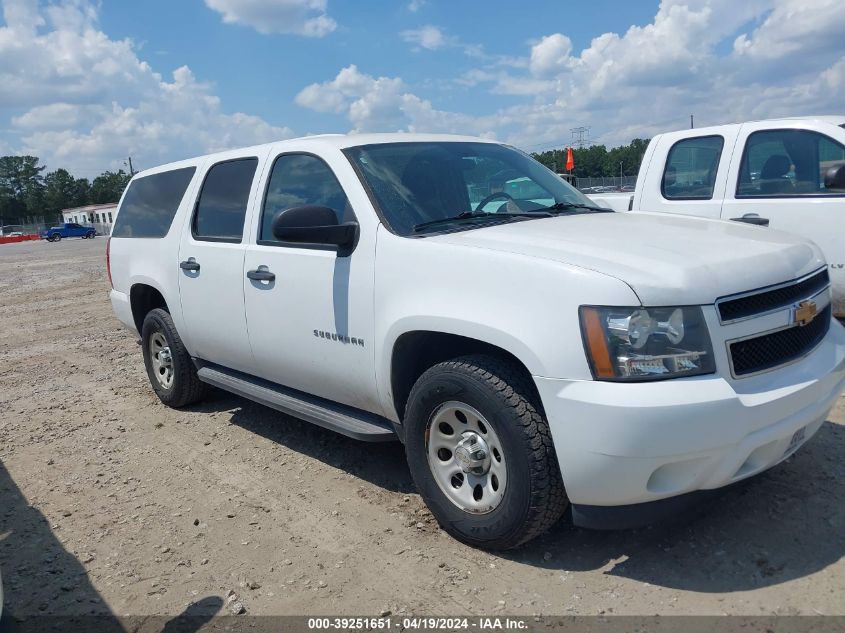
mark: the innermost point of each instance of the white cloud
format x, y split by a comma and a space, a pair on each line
651, 78
88, 101
378, 104
300, 17
430, 37
416, 5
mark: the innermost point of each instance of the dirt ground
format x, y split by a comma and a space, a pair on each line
112, 503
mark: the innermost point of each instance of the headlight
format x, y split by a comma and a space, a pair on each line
635, 344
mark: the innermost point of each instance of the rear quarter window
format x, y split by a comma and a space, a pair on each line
151, 202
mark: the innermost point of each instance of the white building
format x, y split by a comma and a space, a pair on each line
100, 216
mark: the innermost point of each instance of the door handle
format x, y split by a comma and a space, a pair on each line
752, 218
261, 275
189, 264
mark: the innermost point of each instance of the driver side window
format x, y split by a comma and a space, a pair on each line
299, 180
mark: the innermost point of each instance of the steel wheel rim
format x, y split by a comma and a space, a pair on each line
456, 437
161, 360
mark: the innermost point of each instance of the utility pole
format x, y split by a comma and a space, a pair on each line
131, 170
620, 172
580, 137
691, 121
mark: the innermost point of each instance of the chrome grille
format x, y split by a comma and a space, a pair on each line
766, 300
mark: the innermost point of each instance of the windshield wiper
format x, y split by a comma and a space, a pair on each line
573, 206
474, 215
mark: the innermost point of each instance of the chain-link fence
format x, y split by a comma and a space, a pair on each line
614, 182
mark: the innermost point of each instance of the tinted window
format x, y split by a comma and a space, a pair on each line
783, 163
690, 172
221, 208
298, 180
151, 202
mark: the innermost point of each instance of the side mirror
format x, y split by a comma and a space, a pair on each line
834, 178
313, 224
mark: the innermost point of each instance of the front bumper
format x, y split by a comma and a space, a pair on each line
621, 444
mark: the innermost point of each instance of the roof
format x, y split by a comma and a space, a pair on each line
830, 119
338, 141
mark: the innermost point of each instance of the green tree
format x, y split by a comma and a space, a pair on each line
109, 186
21, 187
596, 161
63, 191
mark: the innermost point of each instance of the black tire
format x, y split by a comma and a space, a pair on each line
186, 387
91, 235
534, 497
56, 237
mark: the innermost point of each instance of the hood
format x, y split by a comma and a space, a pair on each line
665, 259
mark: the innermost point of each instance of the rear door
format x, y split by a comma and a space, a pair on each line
211, 257
778, 174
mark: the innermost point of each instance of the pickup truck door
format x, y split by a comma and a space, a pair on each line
777, 173
686, 173
211, 257
311, 322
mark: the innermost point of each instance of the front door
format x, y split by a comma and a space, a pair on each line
211, 258
311, 326
779, 173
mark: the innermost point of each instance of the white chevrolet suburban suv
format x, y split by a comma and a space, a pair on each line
531, 350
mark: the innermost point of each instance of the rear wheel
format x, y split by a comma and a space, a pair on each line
170, 369
56, 237
480, 452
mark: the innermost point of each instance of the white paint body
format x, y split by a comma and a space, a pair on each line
819, 218
518, 287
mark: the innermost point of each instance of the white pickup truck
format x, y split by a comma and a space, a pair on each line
788, 174
530, 350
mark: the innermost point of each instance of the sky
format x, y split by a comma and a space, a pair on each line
84, 84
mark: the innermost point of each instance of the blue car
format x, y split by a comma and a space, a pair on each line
68, 229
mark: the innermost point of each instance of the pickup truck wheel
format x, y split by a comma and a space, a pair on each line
171, 371
56, 237
481, 454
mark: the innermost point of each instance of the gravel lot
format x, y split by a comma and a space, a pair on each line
112, 503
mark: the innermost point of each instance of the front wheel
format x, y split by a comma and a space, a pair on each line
171, 371
91, 235
481, 454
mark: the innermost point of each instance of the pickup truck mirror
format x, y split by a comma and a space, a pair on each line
834, 178
313, 224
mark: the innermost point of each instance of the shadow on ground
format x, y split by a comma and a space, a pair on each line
40, 577
785, 524
380, 463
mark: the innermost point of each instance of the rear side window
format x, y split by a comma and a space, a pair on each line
784, 163
298, 180
151, 202
690, 172
221, 207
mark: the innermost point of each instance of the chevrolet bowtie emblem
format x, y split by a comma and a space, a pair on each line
805, 312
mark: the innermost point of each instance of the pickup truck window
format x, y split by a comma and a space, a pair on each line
690, 172
221, 207
784, 163
151, 202
414, 184
298, 180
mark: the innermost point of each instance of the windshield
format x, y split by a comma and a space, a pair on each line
424, 184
